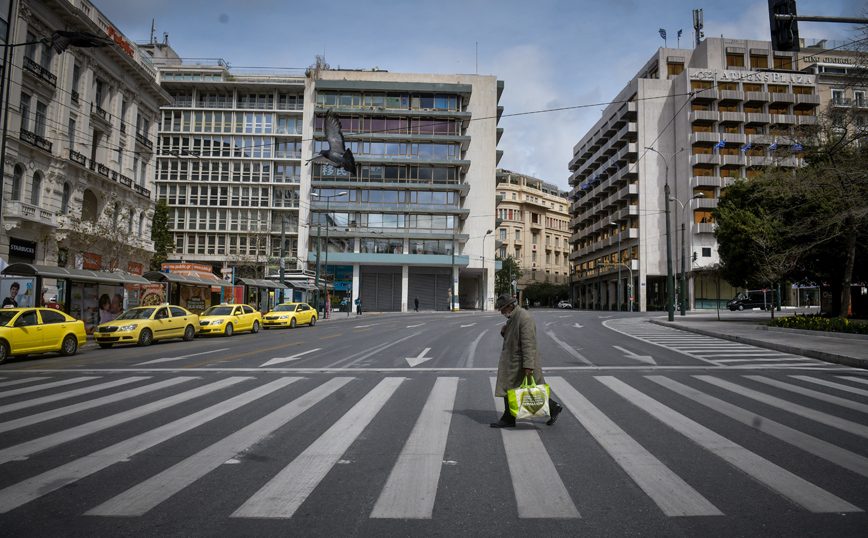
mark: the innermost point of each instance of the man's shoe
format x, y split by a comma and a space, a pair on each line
555, 411
503, 424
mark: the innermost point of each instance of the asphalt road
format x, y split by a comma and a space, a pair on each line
378, 426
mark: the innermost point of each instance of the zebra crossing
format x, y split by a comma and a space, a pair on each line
46, 421
710, 349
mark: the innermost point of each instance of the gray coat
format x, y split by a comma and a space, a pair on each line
520, 351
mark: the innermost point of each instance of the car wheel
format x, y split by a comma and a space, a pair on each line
740, 307
312, 321
255, 327
292, 323
189, 333
146, 337
105, 346
69, 346
229, 329
4, 352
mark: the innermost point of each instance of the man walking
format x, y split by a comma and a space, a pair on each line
417, 304
519, 358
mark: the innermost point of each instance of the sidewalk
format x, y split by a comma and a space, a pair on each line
750, 328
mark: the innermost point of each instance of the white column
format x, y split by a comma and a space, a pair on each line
405, 280
356, 281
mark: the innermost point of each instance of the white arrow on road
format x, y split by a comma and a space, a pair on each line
411, 326
631, 355
287, 359
577, 326
182, 357
416, 361
471, 325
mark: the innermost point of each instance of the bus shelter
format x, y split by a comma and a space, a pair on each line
260, 294
193, 292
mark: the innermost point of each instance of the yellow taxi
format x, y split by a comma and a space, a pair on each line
226, 319
290, 315
38, 330
144, 324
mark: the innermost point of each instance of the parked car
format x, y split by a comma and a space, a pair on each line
290, 315
565, 304
38, 330
750, 299
227, 319
144, 324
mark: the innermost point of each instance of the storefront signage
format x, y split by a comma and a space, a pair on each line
828, 60
185, 267
747, 76
90, 261
119, 39
134, 268
22, 248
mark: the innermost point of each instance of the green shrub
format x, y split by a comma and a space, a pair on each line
820, 323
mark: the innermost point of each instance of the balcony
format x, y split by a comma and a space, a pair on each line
711, 138
732, 117
807, 99
778, 97
704, 159
40, 72
98, 112
758, 118
143, 140
807, 120
77, 158
705, 181
703, 115
18, 213
35, 140
731, 95
74, 95
757, 97
705, 95
703, 227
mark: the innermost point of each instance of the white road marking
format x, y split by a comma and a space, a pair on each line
796, 489
284, 493
577, 326
22, 381
465, 326
147, 495
417, 325
569, 349
415, 361
539, 490
630, 355
70, 394
182, 357
288, 359
471, 352
410, 491
37, 388
671, 493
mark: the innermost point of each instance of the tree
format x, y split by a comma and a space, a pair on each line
160, 235
546, 293
509, 271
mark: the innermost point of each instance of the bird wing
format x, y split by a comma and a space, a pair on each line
319, 159
333, 133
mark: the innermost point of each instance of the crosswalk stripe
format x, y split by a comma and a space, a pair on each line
838, 386
53, 385
284, 493
150, 493
22, 381
822, 449
89, 404
539, 490
37, 445
828, 398
796, 489
673, 495
70, 394
412, 485
856, 379
800, 410
49, 481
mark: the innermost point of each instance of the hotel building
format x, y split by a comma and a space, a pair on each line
722, 111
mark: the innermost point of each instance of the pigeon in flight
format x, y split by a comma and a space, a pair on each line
338, 154
61, 40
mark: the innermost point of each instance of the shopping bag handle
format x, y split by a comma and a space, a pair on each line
525, 383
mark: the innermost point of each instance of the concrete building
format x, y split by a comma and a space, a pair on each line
712, 114
78, 170
533, 227
233, 165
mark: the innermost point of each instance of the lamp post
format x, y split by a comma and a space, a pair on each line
683, 226
615, 224
484, 274
328, 200
670, 279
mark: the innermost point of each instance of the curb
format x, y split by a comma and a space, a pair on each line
784, 348
826, 334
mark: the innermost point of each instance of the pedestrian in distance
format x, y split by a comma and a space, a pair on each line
358, 306
417, 304
518, 358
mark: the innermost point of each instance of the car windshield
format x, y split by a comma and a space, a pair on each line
740, 296
137, 313
284, 308
219, 311
6, 316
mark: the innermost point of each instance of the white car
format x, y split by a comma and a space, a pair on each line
565, 304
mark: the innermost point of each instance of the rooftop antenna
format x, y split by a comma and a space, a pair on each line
697, 26
152, 31
477, 57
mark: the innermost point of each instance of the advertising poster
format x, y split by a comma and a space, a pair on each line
110, 302
17, 292
196, 299
152, 294
84, 304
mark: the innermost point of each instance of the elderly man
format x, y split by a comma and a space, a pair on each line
519, 358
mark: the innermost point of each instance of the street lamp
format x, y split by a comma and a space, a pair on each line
670, 280
328, 200
683, 225
615, 224
484, 274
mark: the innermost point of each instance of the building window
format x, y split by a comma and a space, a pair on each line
513, 196
36, 190
674, 68
859, 98
17, 174
503, 234
837, 97
734, 60
72, 134
706, 252
39, 123
24, 110
502, 252
782, 62
64, 200
141, 224
518, 235
758, 62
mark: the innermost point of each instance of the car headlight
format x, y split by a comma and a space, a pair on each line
284, 317
217, 321
128, 327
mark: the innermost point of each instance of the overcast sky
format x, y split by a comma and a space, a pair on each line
550, 54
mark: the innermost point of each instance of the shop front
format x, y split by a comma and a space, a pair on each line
192, 292
260, 294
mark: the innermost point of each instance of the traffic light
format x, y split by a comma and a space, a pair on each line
785, 33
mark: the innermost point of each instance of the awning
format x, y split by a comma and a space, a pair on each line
301, 285
257, 283
190, 280
78, 275
200, 274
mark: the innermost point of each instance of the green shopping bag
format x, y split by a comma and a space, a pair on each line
529, 400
